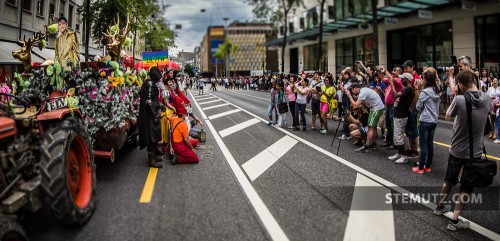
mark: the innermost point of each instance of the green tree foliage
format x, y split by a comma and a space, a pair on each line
189, 70
103, 14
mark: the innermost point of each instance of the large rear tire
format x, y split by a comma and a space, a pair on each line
10, 230
68, 172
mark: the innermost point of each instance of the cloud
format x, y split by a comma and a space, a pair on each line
195, 23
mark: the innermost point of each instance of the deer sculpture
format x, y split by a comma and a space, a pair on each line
24, 54
114, 39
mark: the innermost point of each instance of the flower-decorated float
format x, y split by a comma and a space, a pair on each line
104, 94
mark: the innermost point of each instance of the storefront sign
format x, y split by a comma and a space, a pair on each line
391, 21
469, 5
424, 14
156, 58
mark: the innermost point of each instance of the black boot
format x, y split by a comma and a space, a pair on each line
152, 160
174, 159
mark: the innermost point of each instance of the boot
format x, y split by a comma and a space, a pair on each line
175, 161
152, 160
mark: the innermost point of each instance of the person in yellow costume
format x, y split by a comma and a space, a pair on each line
67, 50
327, 93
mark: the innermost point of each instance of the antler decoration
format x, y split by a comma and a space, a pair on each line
24, 54
114, 38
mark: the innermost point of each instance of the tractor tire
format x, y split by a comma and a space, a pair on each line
10, 230
68, 172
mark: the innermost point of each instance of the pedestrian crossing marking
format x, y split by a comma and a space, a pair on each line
215, 106
147, 192
370, 217
238, 127
223, 114
208, 102
206, 98
264, 160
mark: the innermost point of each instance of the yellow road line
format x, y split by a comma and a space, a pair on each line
446, 145
149, 186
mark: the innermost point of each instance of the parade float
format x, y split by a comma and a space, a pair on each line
57, 118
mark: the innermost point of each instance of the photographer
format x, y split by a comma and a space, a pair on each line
348, 79
315, 88
463, 63
359, 126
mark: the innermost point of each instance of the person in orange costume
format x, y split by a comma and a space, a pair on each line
181, 144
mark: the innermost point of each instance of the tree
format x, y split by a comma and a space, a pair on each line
320, 40
277, 12
225, 51
189, 70
219, 54
161, 36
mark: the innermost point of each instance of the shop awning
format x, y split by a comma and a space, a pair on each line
45, 53
6, 49
402, 7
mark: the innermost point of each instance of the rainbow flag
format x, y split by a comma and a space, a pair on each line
156, 58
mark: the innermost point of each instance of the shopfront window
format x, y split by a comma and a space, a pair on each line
352, 49
310, 57
488, 43
428, 45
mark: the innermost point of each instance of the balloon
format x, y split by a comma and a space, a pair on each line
128, 61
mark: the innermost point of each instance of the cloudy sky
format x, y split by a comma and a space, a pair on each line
195, 23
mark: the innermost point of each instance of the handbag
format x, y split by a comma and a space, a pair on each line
283, 107
478, 172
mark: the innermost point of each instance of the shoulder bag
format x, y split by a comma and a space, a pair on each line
479, 172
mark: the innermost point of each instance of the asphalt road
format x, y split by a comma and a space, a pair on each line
264, 183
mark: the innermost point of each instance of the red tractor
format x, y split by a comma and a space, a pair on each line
46, 157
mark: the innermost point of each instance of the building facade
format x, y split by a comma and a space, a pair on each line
250, 56
213, 38
427, 32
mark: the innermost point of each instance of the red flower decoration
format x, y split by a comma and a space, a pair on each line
36, 64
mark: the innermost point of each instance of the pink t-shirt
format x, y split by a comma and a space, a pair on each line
389, 99
291, 95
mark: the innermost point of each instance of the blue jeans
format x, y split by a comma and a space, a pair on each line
272, 106
498, 127
300, 108
389, 124
426, 133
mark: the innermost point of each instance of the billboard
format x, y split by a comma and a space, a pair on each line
214, 45
158, 58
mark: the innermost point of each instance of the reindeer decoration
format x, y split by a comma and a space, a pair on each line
24, 54
114, 39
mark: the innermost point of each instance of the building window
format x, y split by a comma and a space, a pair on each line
52, 11
26, 5
11, 2
311, 56
62, 8
39, 7
427, 45
352, 49
70, 16
488, 43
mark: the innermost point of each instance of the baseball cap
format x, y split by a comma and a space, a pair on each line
408, 63
407, 76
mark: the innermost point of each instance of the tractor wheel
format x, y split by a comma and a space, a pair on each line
68, 172
10, 230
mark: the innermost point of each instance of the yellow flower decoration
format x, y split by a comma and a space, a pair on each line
115, 81
103, 74
72, 101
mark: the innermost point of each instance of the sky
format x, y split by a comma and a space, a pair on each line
195, 23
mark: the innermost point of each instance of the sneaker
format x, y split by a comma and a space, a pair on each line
427, 169
440, 211
296, 129
345, 137
395, 157
401, 160
269, 123
304, 128
417, 170
362, 149
323, 131
412, 154
459, 225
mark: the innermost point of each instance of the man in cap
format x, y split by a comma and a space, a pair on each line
67, 52
402, 105
411, 125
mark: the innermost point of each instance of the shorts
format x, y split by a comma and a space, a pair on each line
315, 107
399, 129
323, 107
363, 130
381, 122
455, 166
411, 129
374, 117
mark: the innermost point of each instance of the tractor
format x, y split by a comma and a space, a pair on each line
46, 158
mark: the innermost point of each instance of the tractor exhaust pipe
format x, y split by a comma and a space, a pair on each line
105, 154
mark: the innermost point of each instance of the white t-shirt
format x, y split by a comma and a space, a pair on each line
371, 98
493, 93
302, 99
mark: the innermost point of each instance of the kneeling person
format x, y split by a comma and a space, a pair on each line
181, 143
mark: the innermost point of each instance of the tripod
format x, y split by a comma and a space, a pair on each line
338, 126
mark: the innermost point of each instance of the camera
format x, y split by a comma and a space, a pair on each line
380, 68
318, 88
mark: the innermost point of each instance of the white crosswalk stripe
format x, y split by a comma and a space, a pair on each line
208, 102
223, 114
238, 127
216, 106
